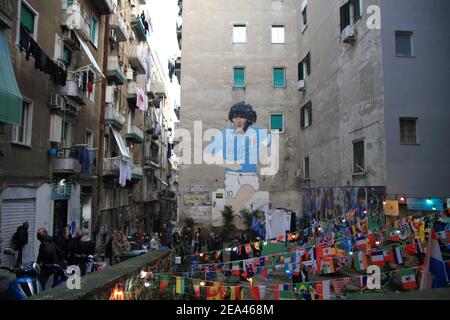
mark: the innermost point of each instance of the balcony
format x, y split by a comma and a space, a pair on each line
105, 6
132, 91
115, 72
135, 134
151, 163
136, 60
119, 29
73, 17
114, 118
72, 89
138, 28
111, 167
66, 165
137, 173
158, 87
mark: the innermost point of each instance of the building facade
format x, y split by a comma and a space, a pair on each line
74, 86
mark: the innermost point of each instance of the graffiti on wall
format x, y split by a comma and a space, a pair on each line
365, 203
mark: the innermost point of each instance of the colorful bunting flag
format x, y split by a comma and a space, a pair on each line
398, 255
282, 292
408, 279
323, 290
179, 288
258, 292
377, 258
388, 256
214, 292
164, 281
360, 261
196, 285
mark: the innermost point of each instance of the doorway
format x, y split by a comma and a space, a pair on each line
60, 215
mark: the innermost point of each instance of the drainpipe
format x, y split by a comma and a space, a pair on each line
101, 136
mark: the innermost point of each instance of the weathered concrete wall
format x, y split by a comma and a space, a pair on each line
207, 93
346, 90
418, 87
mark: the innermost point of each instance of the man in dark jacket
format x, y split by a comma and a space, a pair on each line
20, 239
75, 248
48, 255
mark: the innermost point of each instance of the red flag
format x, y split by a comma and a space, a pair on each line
410, 249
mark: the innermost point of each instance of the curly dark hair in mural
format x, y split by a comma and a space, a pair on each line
243, 111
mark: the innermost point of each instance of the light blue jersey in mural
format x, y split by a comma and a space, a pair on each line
242, 149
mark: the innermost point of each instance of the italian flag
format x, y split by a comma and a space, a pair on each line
179, 288
196, 284
282, 292
360, 261
408, 279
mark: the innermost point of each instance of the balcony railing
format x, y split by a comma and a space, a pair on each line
137, 173
74, 161
105, 6
119, 28
138, 28
72, 88
114, 118
135, 134
6, 13
75, 18
136, 60
111, 166
115, 71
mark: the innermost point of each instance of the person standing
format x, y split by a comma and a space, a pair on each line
119, 245
48, 255
20, 240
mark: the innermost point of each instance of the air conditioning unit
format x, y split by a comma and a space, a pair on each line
57, 102
348, 34
301, 85
110, 94
130, 74
299, 173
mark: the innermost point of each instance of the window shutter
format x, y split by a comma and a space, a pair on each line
301, 75
308, 64
357, 9
302, 117
239, 77
278, 77
309, 113
345, 16
276, 122
27, 18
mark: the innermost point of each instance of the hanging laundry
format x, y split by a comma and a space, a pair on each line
171, 67
24, 43
140, 99
123, 172
84, 77
91, 80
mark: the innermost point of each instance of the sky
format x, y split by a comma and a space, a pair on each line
164, 16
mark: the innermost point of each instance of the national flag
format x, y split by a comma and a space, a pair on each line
326, 252
408, 279
377, 258
339, 285
214, 292
347, 245
330, 238
236, 268
389, 256
248, 249
361, 243
326, 266
281, 238
410, 249
179, 288
398, 255
258, 292
164, 281
360, 261
419, 246
236, 293
282, 292
196, 285
436, 273
323, 290
412, 227
404, 233
394, 235
371, 237
304, 291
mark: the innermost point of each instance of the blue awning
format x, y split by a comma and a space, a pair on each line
10, 96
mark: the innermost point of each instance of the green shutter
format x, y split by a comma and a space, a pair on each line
278, 78
239, 77
67, 55
308, 64
27, 18
301, 75
345, 16
276, 122
357, 9
94, 31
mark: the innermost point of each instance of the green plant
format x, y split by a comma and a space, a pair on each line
228, 226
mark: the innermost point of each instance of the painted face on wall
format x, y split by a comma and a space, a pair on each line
239, 123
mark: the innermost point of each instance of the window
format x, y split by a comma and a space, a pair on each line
94, 31
239, 77
403, 43
304, 18
408, 133
306, 115
306, 167
22, 134
304, 67
277, 34
28, 18
279, 77
358, 157
277, 123
350, 13
67, 55
66, 134
239, 33
89, 140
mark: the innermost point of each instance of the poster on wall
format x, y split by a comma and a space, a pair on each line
202, 199
391, 208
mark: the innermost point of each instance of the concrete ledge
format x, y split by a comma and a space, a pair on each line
98, 285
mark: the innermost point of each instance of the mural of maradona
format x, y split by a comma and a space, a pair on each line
241, 147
